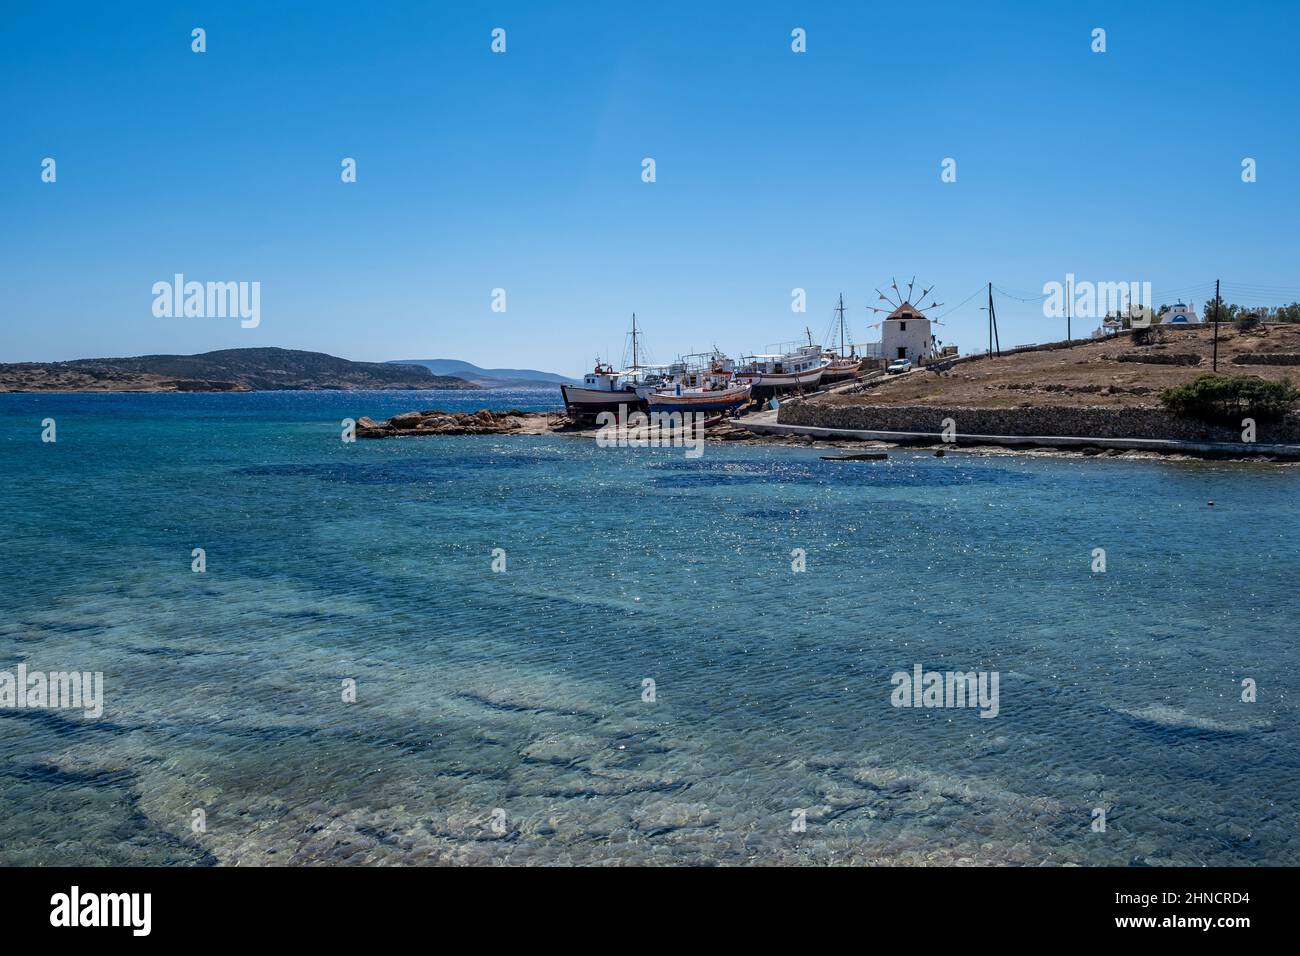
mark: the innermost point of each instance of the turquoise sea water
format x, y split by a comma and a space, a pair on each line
499, 717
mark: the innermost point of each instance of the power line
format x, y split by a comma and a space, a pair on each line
960, 304
1030, 298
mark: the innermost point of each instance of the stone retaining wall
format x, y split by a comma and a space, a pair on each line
1267, 358
1044, 420
1161, 358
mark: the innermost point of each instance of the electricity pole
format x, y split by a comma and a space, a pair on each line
990, 320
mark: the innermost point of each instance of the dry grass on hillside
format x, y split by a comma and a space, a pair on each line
1086, 375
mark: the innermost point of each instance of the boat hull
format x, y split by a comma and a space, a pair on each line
689, 400
840, 372
764, 384
583, 403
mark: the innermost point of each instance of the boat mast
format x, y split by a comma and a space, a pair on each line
840, 310
635, 366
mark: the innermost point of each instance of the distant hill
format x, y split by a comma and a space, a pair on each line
490, 377
227, 370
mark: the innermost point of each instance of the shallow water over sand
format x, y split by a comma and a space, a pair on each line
521, 692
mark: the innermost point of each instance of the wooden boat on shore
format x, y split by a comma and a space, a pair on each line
602, 390
843, 367
712, 397
700, 382
840, 369
605, 389
774, 374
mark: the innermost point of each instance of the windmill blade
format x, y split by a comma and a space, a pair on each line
909, 289
926, 292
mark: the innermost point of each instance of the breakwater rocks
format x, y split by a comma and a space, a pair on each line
1086, 422
482, 422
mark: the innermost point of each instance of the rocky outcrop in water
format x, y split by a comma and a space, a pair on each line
482, 422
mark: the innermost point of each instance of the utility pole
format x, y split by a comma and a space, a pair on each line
990, 320
993, 325
1215, 364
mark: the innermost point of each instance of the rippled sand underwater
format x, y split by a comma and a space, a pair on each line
499, 717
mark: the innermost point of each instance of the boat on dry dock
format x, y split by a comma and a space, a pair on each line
603, 389
843, 367
606, 389
775, 373
708, 386
840, 369
728, 397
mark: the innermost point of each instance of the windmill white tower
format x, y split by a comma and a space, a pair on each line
906, 331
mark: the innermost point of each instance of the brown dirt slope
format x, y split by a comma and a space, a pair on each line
1109, 373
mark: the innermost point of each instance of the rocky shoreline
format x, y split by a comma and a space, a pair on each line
729, 431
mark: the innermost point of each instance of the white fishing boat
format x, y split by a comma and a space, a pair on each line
602, 390
606, 389
689, 371
774, 373
707, 387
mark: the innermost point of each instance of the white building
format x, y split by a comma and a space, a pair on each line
1180, 315
906, 333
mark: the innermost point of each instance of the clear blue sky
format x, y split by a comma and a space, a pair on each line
523, 170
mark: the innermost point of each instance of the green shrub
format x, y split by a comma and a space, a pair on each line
1228, 399
1247, 321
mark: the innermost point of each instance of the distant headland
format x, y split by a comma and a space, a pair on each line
227, 370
